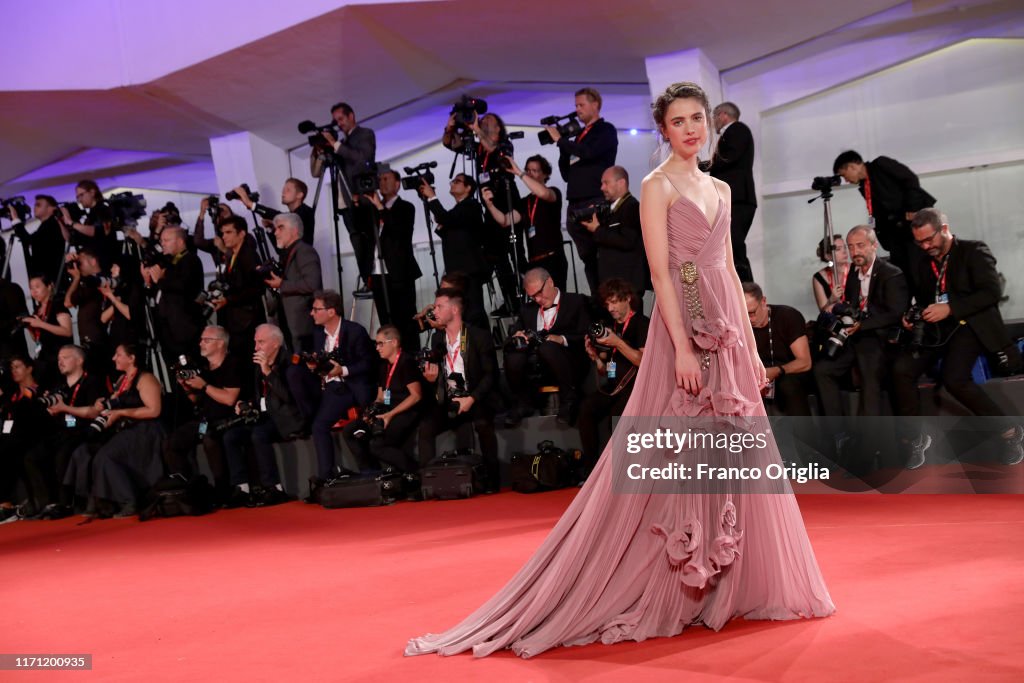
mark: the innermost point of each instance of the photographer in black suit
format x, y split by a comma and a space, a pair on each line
396, 220
956, 290
326, 390
877, 292
83, 293
461, 233
44, 248
240, 310
178, 279
581, 162
616, 356
733, 162
465, 384
893, 194
552, 325
620, 244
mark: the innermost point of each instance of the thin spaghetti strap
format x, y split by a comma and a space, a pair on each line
674, 187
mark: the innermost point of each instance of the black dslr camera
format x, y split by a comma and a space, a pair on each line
427, 355
467, 109
216, 291
570, 129
184, 369
52, 398
601, 209
458, 391
825, 183
97, 281
531, 340
254, 196
268, 269
370, 424
97, 425
597, 331
321, 360
21, 208
844, 316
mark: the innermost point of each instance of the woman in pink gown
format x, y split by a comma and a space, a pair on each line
640, 564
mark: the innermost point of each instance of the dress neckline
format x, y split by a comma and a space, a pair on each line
718, 211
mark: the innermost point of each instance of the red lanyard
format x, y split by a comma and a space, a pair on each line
940, 279
867, 194
387, 382
291, 255
533, 209
480, 148
583, 134
41, 313
452, 358
125, 382
626, 324
548, 326
337, 342
78, 385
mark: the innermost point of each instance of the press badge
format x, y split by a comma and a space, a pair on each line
611, 369
531, 231
69, 421
485, 177
8, 426
39, 349
942, 299
202, 428
263, 404
387, 397
573, 159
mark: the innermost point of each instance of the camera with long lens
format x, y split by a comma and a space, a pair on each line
457, 389
21, 208
213, 206
414, 176
216, 291
825, 183
322, 361
467, 109
597, 331
265, 212
127, 208
99, 423
367, 181
52, 398
370, 424
268, 269
98, 281
844, 316
184, 369
245, 414
497, 163
530, 339
231, 194
586, 213
569, 129
427, 355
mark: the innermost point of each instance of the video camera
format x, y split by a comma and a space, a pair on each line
317, 139
417, 174
21, 208
467, 109
127, 208
601, 209
570, 129
231, 194
824, 184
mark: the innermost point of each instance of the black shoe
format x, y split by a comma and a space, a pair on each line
238, 499
917, 450
568, 408
412, 487
315, 484
271, 496
127, 510
1014, 446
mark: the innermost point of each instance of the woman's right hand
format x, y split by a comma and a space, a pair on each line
688, 371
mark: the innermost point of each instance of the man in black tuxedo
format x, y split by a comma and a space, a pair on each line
395, 218
893, 194
958, 289
466, 383
241, 310
462, 233
879, 291
325, 391
44, 248
178, 279
561, 320
581, 162
620, 243
733, 163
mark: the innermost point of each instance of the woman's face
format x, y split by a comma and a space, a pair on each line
122, 360
685, 126
38, 290
19, 371
839, 252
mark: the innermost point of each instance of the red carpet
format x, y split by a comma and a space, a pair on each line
928, 588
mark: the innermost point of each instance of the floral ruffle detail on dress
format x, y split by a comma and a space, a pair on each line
710, 403
682, 545
714, 334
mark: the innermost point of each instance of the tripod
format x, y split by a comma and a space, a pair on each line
430, 239
331, 169
826, 198
381, 266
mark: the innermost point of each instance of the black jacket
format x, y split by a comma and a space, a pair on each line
181, 320
895, 190
461, 231
244, 308
481, 366
396, 242
972, 284
12, 306
734, 162
281, 405
45, 247
620, 246
358, 355
357, 154
888, 297
596, 153
572, 322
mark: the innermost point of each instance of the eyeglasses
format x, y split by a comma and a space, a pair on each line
379, 344
539, 291
318, 308
927, 239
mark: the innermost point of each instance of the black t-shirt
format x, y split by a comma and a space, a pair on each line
546, 217
85, 392
227, 375
20, 414
89, 301
786, 325
122, 330
405, 374
49, 342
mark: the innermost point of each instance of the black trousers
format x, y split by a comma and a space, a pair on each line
742, 218
597, 408
557, 361
402, 295
359, 223
256, 441
180, 454
865, 350
47, 463
791, 395
435, 421
393, 448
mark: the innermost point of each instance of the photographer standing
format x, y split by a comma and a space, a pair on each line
86, 277
213, 391
12, 311
396, 217
581, 162
892, 193
301, 277
616, 356
178, 280
538, 216
44, 248
279, 420
94, 226
465, 383
49, 326
617, 236
240, 310
293, 196
214, 246
125, 308
956, 291
396, 407
553, 323
733, 163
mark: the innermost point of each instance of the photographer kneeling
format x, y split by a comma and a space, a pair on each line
551, 325
213, 391
464, 368
955, 319
385, 429
616, 353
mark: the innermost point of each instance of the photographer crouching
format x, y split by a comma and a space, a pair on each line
616, 352
273, 418
462, 366
955, 319
551, 328
213, 391
386, 428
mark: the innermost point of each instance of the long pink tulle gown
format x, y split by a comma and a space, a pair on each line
631, 566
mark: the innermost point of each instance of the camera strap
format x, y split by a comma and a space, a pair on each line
940, 276
78, 385
125, 382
